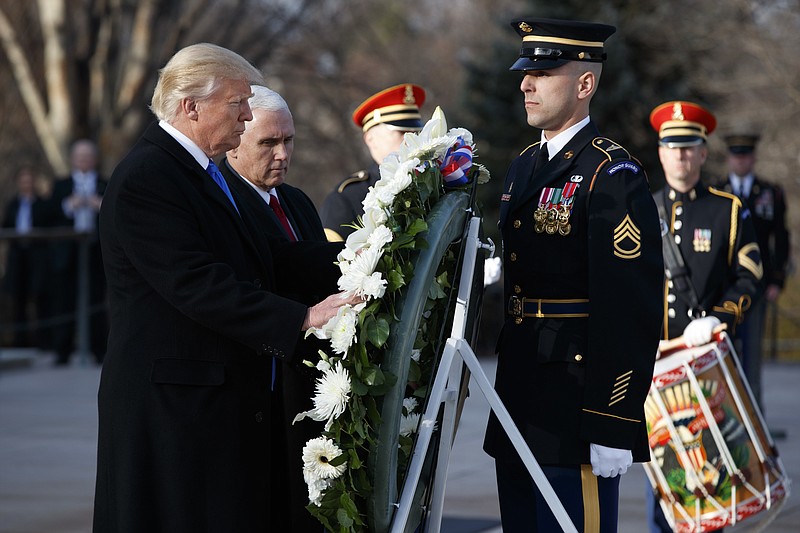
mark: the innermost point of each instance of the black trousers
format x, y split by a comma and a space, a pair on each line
591, 502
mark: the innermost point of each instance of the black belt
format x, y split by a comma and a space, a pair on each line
544, 308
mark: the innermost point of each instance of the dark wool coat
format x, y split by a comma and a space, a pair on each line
294, 384
184, 399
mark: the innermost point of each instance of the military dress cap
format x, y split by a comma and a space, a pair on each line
550, 43
397, 107
680, 124
741, 144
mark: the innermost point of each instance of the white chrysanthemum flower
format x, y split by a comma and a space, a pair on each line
380, 237
415, 354
332, 395
370, 200
395, 178
373, 287
408, 424
389, 165
410, 404
384, 194
464, 134
361, 267
316, 488
404, 176
343, 333
317, 456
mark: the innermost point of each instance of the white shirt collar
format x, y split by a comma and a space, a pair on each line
742, 184
557, 143
199, 156
261, 192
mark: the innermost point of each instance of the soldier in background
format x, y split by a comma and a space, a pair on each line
709, 231
767, 205
384, 118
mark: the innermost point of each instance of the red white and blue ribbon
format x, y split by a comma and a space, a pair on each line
456, 164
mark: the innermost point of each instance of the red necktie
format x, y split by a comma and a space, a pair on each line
281, 214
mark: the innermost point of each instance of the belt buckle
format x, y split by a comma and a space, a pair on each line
515, 307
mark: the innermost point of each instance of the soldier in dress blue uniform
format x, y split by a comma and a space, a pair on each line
767, 205
713, 233
384, 118
583, 275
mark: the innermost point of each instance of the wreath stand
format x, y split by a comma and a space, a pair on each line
421, 496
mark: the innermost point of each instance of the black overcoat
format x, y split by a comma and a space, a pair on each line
293, 390
184, 401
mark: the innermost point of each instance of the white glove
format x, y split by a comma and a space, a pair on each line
492, 268
609, 462
699, 330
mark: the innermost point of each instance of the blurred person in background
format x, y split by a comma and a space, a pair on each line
767, 205
26, 261
75, 203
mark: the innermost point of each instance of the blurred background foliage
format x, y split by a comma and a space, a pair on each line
86, 68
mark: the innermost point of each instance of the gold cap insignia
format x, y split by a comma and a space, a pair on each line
524, 26
677, 111
408, 98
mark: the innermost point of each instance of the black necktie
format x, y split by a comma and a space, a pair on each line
542, 158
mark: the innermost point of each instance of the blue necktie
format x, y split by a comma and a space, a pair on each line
214, 172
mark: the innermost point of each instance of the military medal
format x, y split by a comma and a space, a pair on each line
702, 240
555, 207
541, 215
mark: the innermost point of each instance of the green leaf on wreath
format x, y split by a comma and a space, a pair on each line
348, 505
344, 519
372, 376
355, 460
377, 332
418, 226
414, 372
372, 411
358, 387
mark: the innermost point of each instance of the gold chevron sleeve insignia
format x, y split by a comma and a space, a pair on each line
750, 258
620, 388
627, 239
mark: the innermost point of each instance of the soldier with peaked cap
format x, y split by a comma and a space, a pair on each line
767, 205
384, 118
706, 229
583, 273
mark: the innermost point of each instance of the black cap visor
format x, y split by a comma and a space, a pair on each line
526, 63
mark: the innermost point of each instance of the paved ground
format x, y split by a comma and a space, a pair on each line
48, 437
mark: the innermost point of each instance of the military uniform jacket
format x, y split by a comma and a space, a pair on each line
569, 381
717, 242
343, 206
767, 206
